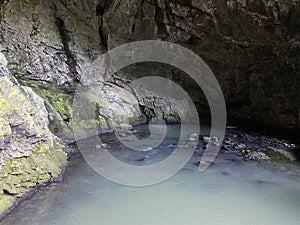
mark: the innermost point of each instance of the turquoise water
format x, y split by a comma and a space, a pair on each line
230, 192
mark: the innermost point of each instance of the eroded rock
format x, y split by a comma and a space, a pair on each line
30, 154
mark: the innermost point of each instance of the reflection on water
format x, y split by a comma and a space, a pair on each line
230, 192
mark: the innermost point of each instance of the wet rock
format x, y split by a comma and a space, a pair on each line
206, 139
183, 145
140, 160
212, 140
32, 154
194, 135
280, 155
257, 156
296, 152
172, 146
125, 128
103, 146
240, 146
246, 137
230, 127
226, 148
205, 163
191, 139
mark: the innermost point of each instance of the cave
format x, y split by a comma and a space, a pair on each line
149, 112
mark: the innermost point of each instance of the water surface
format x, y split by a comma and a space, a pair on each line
230, 192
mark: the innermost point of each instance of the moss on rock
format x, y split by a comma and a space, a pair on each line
29, 153
5, 202
56, 97
280, 155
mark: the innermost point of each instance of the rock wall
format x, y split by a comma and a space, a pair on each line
29, 153
54, 47
253, 47
49, 41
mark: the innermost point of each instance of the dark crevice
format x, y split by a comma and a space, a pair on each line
100, 10
8, 193
161, 27
133, 28
148, 112
65, 41
103, 37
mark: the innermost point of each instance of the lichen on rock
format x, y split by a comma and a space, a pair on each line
30, 154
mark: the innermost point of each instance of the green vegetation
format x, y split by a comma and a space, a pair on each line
100, 121
59, 104
279, 155
5, 202
31, 156
13, 102
56, 98
19, 174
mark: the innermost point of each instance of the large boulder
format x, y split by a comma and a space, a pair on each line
30, 154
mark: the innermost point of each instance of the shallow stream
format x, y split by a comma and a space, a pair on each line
231, 192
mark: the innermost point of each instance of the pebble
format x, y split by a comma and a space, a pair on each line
240, 146
230, 127
103, 146
172, 146
226, 148
194, 135
183, 146
192, 139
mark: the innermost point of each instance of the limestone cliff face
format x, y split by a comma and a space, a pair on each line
29, 153
53, 46
252, 47
50, 41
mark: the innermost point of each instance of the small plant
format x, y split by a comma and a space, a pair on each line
56, 100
